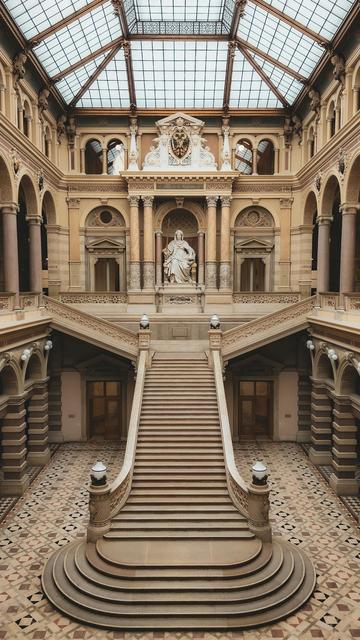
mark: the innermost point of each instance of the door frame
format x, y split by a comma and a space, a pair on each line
236, 394
105, 378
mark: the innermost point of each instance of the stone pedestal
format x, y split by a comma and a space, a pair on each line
180, 298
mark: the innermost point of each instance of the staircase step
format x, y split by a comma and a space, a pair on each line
205, 534
185, 525
171, 517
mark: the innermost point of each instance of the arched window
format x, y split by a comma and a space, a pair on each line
243, 157
331, 120
311, 142
265, 158
47, 142
115, 157
93, 157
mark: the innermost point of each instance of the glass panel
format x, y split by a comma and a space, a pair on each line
288, 86
97, 388
111, 87
246, 388
79, 39
248, 89
71, 84
243, 157
33, 17
179, 74
247, 413
279, 40
191, 10
262, 388
112, 388
322, 16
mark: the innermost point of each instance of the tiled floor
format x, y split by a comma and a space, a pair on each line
304, 511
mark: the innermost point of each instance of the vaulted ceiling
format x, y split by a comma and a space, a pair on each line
179, 53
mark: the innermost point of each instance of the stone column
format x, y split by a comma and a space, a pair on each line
211, 243
285, 244
134, 243
158, 258
201, 256
323, 263
348, 248
74, 243
10, 250
321, 424
34, 223
13, 450
148, 243
344, 451
38, 447
225, 243
104, 161
254, 161
82, 160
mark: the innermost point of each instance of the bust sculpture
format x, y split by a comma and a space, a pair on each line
179, 258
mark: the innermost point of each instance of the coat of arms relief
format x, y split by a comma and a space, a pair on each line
179, 144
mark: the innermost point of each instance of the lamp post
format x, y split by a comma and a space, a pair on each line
259, 473
98, 474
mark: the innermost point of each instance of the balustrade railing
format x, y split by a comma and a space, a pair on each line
271, 297
93, 297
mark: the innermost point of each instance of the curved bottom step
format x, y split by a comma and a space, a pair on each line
287, 587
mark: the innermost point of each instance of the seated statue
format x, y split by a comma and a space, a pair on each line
179, 258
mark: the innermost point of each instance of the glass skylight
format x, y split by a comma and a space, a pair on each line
248, 90
68, 45
188, 69
110, 89
279, 40
33, 17
179, 74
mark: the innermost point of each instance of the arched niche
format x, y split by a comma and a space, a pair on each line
265, 158
186, 221
331, 207
34, 368
6, 195
254, 240
348, 380
28, 206
9, 381
93, 157
105, 247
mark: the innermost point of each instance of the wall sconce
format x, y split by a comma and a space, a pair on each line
215, 322
144, 322
26, 354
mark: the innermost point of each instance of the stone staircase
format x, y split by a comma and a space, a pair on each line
179, 555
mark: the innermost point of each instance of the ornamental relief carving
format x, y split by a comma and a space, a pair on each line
254, 218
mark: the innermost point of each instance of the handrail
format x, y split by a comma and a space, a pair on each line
238, 489
121, 486
105, 501
98, 329
252, 501
247, 330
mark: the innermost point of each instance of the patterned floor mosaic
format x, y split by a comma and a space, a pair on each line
304, 511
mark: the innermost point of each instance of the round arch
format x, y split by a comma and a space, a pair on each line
192, 207
6, 183
91, 217
352, 188
10, 380
310, 207
34, 367
104, 236
323, 369
266, 218
348, 379
29, 192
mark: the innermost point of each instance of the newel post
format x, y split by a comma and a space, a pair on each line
259, 502
99, 503
144, 338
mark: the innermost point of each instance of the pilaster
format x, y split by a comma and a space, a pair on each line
321, 425
15, 480
344, 450
38, 447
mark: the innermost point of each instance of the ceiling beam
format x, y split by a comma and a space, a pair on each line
120, 12
276, 63
94, 75
64, 22
290, 21
239, 11
130, 74
83, 61
228, 74
263, 75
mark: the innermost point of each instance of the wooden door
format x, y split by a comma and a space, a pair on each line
255, 408
104, 409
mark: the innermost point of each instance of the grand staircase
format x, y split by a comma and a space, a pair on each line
179, 554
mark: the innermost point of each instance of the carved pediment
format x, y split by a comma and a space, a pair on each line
254, 243
105, 244
169, 120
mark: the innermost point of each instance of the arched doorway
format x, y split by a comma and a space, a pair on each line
335, 242
186, 221
253, 250
310, 219
105, 246
330, 231
6, 195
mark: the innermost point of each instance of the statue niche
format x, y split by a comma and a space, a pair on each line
178, 260
180, 145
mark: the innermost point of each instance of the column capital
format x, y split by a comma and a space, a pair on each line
286, 203
34, 219
9, 208
201, 232
158, 234
350, 208
134, 201
225, 201
324, 220
211, 201
73, 203
148, 201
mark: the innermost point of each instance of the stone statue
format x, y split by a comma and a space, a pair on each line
179, 258
119, 160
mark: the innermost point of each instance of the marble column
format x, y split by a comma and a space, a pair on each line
149, 266
158, 236
104, 161
321, 424
254, 161
211, 243
134, 243
13, 450
344, 450
82, 160
225, 264
34, 223
10, 250
74, 243
38, 446
348, 248
323, 264
200, 257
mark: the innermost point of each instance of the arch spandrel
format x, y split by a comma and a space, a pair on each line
255, 217
91, 218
